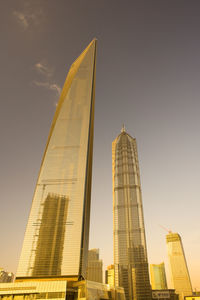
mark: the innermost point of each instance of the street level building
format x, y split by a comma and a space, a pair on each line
110, 275
95, 266
192, 297
178, 266
6, 276
165, 294
158, 276
130, 252
59, 290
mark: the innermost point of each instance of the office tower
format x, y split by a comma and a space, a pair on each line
109, 275
178, 266
95, 266
56, 238
158, 277
130, 253
6, 276
54, 254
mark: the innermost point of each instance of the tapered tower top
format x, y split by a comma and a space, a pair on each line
123, 128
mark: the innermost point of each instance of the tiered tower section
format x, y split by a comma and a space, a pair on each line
130, 253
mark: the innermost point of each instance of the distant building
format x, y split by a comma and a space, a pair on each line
110, 275
178, 265
158, 277
95, 266
130, 251
6, 276
168, 294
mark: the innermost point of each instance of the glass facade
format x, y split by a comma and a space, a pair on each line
130, 253
178, 266
109, 275
56, 238
158, 277
94, 266
60, 290
33, 290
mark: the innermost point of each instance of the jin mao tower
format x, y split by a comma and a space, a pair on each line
57, 233
130, 253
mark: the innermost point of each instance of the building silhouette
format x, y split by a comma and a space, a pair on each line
61, 202
178, 266
158, 276
95, 266
130, 253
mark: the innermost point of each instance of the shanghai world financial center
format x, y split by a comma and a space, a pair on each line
55, 246
56, 238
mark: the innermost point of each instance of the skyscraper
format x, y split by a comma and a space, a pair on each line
158, 277
54, 254
130, 253
95, 266
56, 238
178, 265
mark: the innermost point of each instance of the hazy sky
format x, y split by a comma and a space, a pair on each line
148, 77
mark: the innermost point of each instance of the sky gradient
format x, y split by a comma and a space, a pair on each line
148, 77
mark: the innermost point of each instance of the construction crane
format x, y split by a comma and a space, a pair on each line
166, 229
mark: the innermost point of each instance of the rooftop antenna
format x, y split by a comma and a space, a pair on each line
166, 229
123, 128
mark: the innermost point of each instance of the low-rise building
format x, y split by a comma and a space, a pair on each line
6, 276
59, 290
168, 294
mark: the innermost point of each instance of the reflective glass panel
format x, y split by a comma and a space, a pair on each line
53, 243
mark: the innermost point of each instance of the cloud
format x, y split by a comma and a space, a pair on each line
21, 18
46, 73
29, 15
56, 87
50, 86
43, 69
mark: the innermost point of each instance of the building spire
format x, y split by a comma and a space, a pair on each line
123, 128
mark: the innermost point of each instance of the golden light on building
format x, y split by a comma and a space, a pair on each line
130, 253
158, 276
178, 266
56, 238
110, 275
